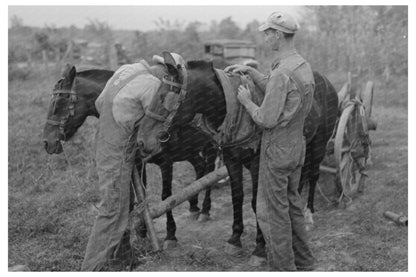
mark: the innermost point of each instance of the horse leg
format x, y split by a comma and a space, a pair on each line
258, 256
199, 166
210, 156
170, 240
193, 206
235, 170
310, 209
309, 170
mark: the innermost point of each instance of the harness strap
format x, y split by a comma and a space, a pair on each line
173, 84
55, 122
64, 92
155, 116
71, 111
182, 95
217, 136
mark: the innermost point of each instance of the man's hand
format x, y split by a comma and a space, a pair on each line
243, 94
237, 68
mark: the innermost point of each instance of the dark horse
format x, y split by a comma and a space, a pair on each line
204, 94
73, 101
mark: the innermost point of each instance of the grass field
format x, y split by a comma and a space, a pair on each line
51, 199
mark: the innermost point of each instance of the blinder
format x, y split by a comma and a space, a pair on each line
171, 103
73, 98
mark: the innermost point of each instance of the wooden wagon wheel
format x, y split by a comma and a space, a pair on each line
351, 149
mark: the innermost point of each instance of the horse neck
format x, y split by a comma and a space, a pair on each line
84, 107
210, 100
87, 93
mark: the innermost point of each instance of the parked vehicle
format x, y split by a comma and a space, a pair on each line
224, 52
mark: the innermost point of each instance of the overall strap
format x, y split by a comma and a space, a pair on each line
121, 81
301, 87
292, 75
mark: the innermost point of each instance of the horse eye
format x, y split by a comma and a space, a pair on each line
164, 136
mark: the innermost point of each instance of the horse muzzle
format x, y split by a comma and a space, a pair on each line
53, 148
145, 152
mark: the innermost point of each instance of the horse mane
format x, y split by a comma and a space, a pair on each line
95, 74
96, 78
200, 64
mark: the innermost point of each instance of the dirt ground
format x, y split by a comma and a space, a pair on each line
51, 203
357, 238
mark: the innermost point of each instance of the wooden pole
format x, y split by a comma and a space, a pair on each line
138, 186
342, 94
328, 169
189, 191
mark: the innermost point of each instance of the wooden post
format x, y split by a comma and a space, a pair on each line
68, 57
189, 191
342, 95
138, 186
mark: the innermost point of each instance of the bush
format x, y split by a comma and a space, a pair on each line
17, 73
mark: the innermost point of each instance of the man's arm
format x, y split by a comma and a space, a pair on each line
259, 79
267, 115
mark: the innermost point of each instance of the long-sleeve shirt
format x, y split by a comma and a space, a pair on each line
282, 99
130, 102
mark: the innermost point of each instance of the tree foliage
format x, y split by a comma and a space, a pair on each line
366, 40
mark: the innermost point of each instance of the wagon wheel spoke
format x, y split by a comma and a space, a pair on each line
350, 165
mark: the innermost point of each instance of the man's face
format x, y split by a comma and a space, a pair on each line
272, 38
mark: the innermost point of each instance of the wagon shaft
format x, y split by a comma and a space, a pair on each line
189, 191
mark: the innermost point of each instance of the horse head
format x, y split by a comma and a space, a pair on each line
184, 92
61, 107
68, 108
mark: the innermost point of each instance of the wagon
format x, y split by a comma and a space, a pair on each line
350, 143
224, 52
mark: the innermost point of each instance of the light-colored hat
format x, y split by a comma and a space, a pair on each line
280, 21
178, 59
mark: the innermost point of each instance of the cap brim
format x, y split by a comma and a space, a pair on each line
264, 27
158, 59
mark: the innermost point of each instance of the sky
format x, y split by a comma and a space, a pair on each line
142, 17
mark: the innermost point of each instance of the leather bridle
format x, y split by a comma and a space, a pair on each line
61, 122
167, 120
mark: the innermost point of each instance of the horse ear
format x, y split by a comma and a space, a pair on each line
170, 63
69, 74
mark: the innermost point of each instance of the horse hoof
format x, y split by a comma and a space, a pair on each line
193, 215
233, 250
170, 244
204, 218
256, 261
308, 219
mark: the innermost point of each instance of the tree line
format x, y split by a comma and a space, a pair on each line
365, 40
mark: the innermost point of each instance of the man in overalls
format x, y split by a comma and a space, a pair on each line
121, 105
288, 95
